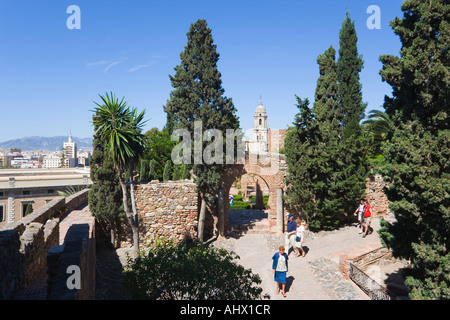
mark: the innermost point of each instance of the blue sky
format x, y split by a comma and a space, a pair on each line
50, 75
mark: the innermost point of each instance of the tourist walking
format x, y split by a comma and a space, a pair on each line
367, 218
280, 268
300, 236
360, 212
291, 231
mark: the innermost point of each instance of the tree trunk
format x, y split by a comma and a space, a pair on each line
129, 215
113, 232
135, 215
221, 214
201, 219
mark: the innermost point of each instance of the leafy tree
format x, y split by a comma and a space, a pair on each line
120, 128
105, 194
190, 272
418, 154
198, 96
159, 150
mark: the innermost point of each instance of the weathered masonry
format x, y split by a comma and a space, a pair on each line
167, 209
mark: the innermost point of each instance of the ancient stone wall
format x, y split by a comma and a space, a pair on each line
167, 209
24, 247
24, 244
78, 251
375, 195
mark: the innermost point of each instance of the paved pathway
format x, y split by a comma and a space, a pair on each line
313, 277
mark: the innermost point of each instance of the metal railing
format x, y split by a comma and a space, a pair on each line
373, 289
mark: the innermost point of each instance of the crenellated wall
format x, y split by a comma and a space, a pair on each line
24, 244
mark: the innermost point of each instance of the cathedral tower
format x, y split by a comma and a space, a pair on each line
260, 141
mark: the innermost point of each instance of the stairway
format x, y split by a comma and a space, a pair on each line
248, 222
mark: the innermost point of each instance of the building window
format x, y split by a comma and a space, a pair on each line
27, 208
260, 121
26, 192
1, 193
50, 191
2, 212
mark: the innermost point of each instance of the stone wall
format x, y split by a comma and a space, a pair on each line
167, 209
78, 251
24, 244
375, 195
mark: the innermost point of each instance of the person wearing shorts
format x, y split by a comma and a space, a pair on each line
367, 218
360, 212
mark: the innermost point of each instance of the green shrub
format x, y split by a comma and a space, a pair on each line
190, 271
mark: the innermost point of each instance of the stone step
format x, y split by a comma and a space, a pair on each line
259, 227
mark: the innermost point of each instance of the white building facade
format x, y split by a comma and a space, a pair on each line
260, 142
70, 153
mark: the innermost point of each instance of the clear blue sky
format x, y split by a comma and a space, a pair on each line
50, 75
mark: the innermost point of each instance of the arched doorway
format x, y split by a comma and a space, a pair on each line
267, 173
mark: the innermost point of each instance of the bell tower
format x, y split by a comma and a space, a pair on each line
260, 130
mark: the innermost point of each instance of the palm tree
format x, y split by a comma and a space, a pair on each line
381, 125
120, 128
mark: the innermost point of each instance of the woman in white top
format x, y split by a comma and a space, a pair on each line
300, 238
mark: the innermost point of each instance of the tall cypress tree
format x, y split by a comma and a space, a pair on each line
351, 177
198, 95
418, 154
323, 182
299, 144
350, 64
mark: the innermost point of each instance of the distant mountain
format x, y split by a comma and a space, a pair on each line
45, 143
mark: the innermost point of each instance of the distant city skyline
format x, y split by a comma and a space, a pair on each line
51, 75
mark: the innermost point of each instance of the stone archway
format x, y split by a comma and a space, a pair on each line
271, 169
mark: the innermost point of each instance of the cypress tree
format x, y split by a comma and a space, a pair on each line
299, 145
311, 150
105, 194
418, 154
349, 65
167, 171
198, 95
353, 149
326, 168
